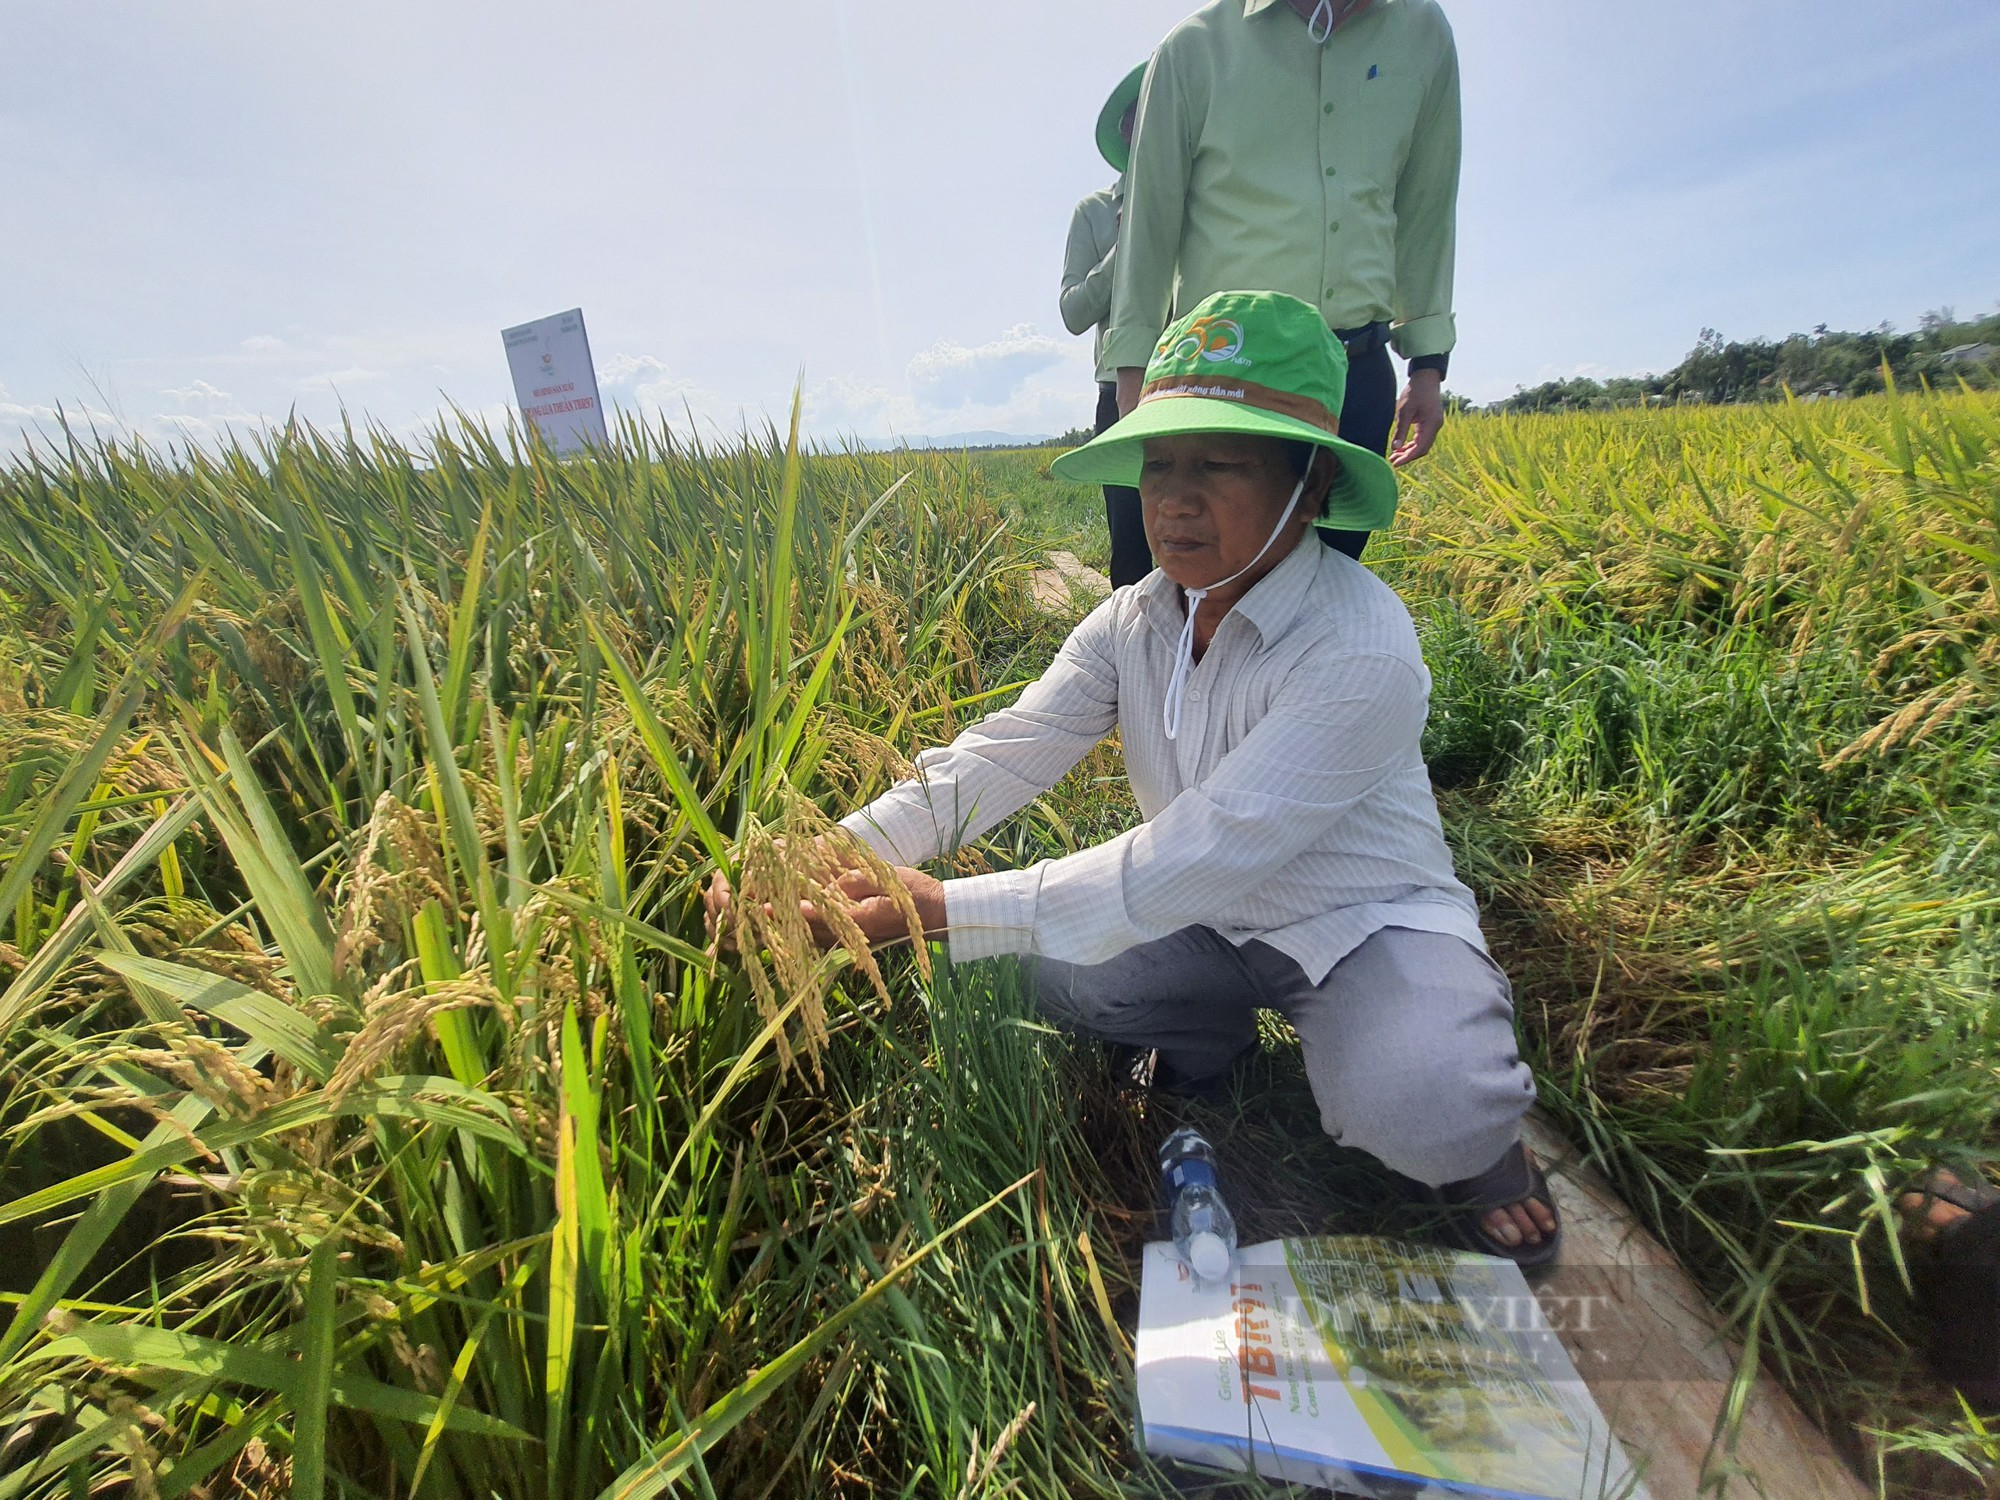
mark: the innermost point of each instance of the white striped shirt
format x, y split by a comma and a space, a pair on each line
1294, 806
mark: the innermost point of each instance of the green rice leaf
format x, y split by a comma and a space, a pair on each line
316, 1372
429, 1100
280, 1028
84, 773
659, 744
670, 1461
262, 1369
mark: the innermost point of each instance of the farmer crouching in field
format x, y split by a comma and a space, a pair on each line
1271, 698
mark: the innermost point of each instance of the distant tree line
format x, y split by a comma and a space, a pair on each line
1941, 351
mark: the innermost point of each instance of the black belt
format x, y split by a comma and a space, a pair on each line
1365, 340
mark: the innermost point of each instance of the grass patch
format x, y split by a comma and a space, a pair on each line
1050, 512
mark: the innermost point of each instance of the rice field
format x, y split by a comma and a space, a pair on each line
377, 1122
1715, 709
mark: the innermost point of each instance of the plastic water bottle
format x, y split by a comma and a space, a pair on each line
1204, 1233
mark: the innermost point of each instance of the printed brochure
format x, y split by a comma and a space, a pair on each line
1372, 1367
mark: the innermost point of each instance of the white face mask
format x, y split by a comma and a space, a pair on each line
1320, 27
1184, 650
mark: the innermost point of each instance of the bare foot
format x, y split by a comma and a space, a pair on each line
1527, 1222
1924, 1222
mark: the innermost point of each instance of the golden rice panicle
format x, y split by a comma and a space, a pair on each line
176, 1052
398, 869
393, 1017
859, 764
14, 669
785, 867
1910, 724
773, 937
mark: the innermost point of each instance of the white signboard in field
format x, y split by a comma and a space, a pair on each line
555, 381
1372, 1368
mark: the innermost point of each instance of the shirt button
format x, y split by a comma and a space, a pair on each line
1329, 171
1334, 227
1329, 294
1326, 109
1195, 696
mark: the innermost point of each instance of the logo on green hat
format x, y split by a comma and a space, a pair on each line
1212, 339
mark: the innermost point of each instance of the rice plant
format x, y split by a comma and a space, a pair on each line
1715, 709
378, 1122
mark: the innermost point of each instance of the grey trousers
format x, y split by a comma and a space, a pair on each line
1409, 1041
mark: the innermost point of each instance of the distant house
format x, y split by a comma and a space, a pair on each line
1969, 354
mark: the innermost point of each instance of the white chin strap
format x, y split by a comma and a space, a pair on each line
1184, 651
1320, 27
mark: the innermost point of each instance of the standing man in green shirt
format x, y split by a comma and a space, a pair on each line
1086, 304
1308, 147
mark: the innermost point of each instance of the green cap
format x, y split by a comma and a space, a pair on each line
1260, 363
1109, 141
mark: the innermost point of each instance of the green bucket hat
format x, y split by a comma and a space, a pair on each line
1260, 363
1109, 141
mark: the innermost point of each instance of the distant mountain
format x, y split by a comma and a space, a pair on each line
963, 440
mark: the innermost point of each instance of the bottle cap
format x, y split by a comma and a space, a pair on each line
1209, 1255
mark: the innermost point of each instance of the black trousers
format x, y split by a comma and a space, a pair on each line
1131, 558
1367, 414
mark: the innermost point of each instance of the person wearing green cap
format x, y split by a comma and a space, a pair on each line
1309, 147
1269, 695
1086, 303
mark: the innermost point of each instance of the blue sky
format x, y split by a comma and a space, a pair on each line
216, 212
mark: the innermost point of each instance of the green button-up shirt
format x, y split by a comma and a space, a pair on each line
1087, 266
1265, 162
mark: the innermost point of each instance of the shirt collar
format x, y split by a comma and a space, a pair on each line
1269, 607
1252, 7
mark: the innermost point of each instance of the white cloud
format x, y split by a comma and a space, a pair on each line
647, 385
19, 414
25, 423
947, 376
630, 369
429, 348
199, 392
339, 380
169, 429
1050, 402
1058, 395
848, 405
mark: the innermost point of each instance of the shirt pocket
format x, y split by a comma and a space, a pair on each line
1379, 128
